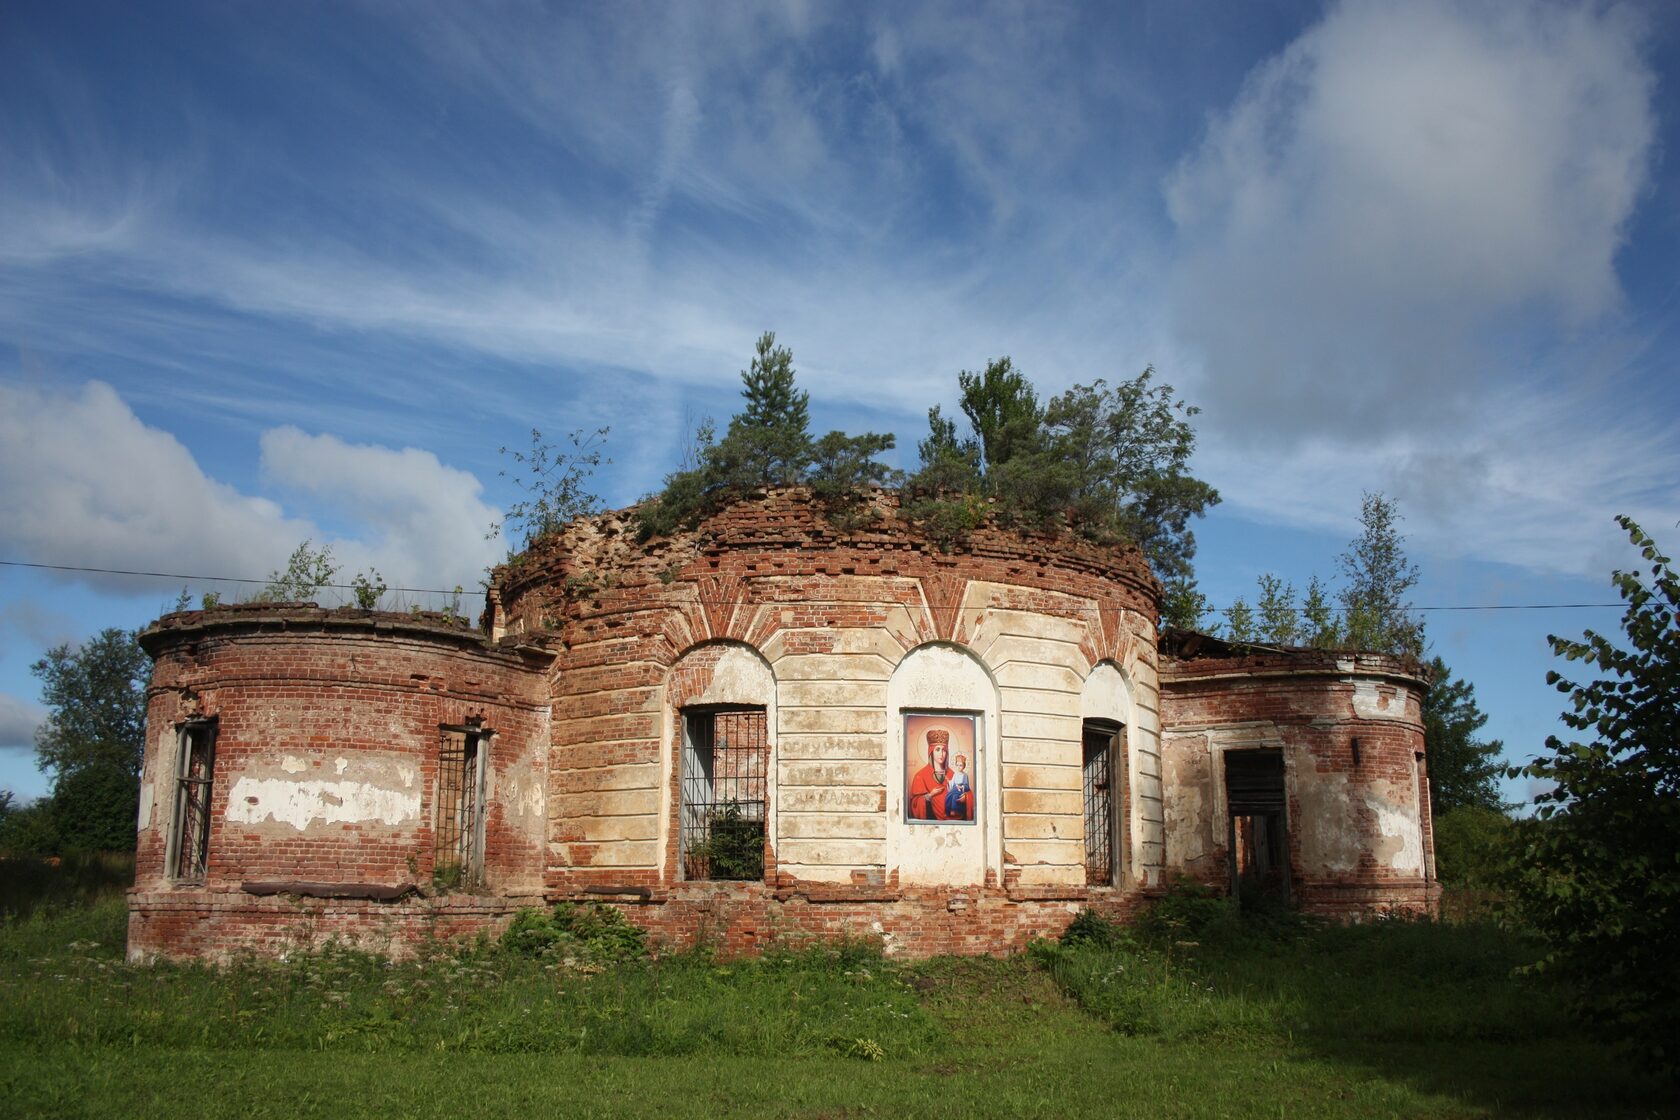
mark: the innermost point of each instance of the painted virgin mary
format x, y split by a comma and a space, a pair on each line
928, 786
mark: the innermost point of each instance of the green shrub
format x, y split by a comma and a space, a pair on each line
1190, 912
590, 932
1473, 846
733, 848
1091, 930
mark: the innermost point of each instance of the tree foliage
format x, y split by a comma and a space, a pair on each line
1002, 407
1317, 623
1182, 603
27, 830
1110, 463
1372, 612
843, 470
307, 571
1473, 846
93, 740
1275, 619
1129, 447
768, 444
1239, 621
1378, 579
555, 483
1600, 876
1464, 769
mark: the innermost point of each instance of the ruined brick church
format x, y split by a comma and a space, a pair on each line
765, 728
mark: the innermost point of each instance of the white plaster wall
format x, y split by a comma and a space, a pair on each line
360, 791
936, 678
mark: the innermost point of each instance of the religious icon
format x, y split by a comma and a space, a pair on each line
941, 768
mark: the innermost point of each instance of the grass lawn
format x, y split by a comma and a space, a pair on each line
1234, 1020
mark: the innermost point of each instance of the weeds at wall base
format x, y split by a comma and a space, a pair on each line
1402, 1018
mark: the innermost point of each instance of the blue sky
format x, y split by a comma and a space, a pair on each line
270, 272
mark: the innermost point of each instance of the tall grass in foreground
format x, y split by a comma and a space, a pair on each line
63, 981
1199, 1012
30, 882
1197, 967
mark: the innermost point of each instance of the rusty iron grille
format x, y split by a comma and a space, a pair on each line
192, 800
455, 852
1099, 805
726, 755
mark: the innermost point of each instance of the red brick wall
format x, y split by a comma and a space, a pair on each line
1348, 817
348, 701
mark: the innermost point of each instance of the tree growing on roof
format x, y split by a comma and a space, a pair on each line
1109, 463
768, 444
555, 484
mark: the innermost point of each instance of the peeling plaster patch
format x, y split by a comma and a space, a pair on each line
255, 800
740, 677
145, 821
343, 762
1330, 840
406, 773
1372, 701
527, 800
1400, 840
292, 764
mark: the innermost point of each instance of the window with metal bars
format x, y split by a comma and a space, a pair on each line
1102, 744
458, 836
189, 840
726, 755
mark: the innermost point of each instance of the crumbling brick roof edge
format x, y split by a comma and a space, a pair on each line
247, 619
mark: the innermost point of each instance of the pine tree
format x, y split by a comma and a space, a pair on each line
1463, 769
769, 442
1375, 612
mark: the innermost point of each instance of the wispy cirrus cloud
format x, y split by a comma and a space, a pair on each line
1406, 216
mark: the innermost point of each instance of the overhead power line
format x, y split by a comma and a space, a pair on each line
726, 603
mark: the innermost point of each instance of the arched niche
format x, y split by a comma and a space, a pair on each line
1107, 715
718, 678
943, 686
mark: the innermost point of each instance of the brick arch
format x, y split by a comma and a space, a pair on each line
715, 672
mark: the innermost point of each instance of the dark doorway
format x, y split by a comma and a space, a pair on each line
1258, 835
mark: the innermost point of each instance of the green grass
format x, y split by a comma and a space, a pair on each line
1227, 1019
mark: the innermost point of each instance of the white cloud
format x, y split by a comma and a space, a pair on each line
18, 721
424, 521
1396, 258
1395, 187
84, 482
